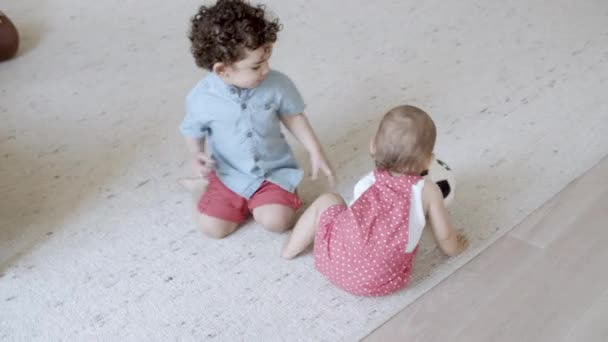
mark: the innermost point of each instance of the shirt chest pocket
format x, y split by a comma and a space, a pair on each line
265, 120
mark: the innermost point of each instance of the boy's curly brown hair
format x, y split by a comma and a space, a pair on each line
221, 33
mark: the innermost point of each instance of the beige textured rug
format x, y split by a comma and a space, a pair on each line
96, 240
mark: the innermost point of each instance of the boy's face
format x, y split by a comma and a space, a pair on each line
248, 72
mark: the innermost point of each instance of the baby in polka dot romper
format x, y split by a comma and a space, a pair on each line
368, 248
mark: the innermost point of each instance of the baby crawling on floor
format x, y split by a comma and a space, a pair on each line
368, 248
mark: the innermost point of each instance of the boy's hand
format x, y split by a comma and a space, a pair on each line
300, 127
203, 164
319, 162
463, 242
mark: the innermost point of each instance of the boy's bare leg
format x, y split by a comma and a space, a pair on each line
211, 226
274, 217
303, 234
214, 227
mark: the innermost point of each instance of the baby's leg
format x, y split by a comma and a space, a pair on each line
304, 232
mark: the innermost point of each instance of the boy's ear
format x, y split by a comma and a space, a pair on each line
220, 69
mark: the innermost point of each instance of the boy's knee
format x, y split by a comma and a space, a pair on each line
276, 221
276, 224
216, 230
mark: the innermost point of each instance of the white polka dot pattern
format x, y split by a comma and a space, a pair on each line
361, 249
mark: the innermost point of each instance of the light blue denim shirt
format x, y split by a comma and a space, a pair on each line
243, 128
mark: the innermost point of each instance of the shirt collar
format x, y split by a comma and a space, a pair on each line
222, 88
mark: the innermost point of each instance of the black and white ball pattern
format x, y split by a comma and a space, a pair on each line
442, 174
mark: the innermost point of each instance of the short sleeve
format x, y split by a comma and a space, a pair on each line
363, 184
291, 102
194, 125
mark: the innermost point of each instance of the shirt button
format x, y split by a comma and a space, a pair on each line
244, 106
256, 159
249, 134
232, 91
256, 169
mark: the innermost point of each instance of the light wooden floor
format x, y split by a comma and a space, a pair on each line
547, 280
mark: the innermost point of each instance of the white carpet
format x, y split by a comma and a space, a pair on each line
96, 240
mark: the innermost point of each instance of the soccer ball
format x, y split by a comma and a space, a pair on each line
442, 174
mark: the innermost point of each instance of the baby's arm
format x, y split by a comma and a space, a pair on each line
451, 242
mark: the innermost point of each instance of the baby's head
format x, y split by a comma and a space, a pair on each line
405, 140
234, 39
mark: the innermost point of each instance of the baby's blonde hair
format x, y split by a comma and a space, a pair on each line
405, 140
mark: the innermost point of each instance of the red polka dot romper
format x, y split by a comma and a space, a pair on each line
362, 249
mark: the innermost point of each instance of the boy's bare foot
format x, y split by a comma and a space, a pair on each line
194, 184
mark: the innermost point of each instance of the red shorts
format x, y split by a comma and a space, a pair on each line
222, 203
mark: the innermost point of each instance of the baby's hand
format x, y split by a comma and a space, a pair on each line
203, 164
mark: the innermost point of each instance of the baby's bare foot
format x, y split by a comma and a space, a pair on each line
194, 185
